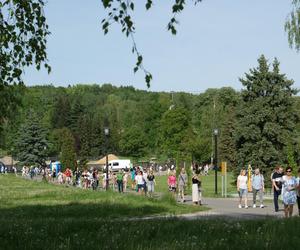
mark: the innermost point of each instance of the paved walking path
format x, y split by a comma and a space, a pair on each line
224, 208
228, 207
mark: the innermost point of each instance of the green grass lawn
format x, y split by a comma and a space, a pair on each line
35, 215
208, 184
20, 197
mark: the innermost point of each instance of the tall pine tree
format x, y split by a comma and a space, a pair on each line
227, 141
31, 146
68, 154
266, 118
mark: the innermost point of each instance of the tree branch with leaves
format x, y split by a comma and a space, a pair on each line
120, 12
292, 26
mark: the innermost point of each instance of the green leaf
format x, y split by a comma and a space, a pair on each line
123, 6
132, 6
148, 4
148, 79
105, 25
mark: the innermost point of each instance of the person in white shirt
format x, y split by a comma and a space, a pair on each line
242, 187
139, 180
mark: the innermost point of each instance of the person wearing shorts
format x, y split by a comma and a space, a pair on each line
242, 187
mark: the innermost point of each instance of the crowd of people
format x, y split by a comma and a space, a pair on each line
143, 181
3, 169
284, 184
29, 171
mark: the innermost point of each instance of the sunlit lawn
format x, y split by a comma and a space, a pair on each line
20, 197
35, 215
208, 184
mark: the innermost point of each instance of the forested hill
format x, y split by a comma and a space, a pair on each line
142, 123
258, 126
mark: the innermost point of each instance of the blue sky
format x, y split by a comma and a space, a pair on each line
217, 42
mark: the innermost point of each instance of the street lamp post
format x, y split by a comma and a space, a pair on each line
12, 158
216, 132
106, 133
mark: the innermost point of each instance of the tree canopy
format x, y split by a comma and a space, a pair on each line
141, 122
266, 118
31, 143
257, 126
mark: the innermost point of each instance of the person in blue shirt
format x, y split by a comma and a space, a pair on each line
289, 195
258, 187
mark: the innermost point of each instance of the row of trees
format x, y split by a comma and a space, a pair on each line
258, 126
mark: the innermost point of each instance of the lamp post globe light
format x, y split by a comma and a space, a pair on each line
106, 133
216, 133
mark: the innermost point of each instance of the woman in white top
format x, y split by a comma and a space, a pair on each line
139, 180
242, 187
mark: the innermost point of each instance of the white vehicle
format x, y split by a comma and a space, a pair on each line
116, 165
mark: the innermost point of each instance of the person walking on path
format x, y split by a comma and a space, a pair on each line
289, 195
68, 174
242, 188
77, 174
113, 180
298, 191
95, 179
182, 183
258, 186
151, 183
125, 180
120, 176
277, 185
145, 178
172, 182
53, 174
133, 174
195, 189
139, 180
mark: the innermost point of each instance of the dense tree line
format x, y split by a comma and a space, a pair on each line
142, 123
258, 126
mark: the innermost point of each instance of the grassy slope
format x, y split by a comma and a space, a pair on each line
23, 197
41, 216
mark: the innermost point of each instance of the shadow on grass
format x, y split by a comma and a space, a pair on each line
76, 210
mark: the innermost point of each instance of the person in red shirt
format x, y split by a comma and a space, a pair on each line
68, 175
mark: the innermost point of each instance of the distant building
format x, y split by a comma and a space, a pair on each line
8, 161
